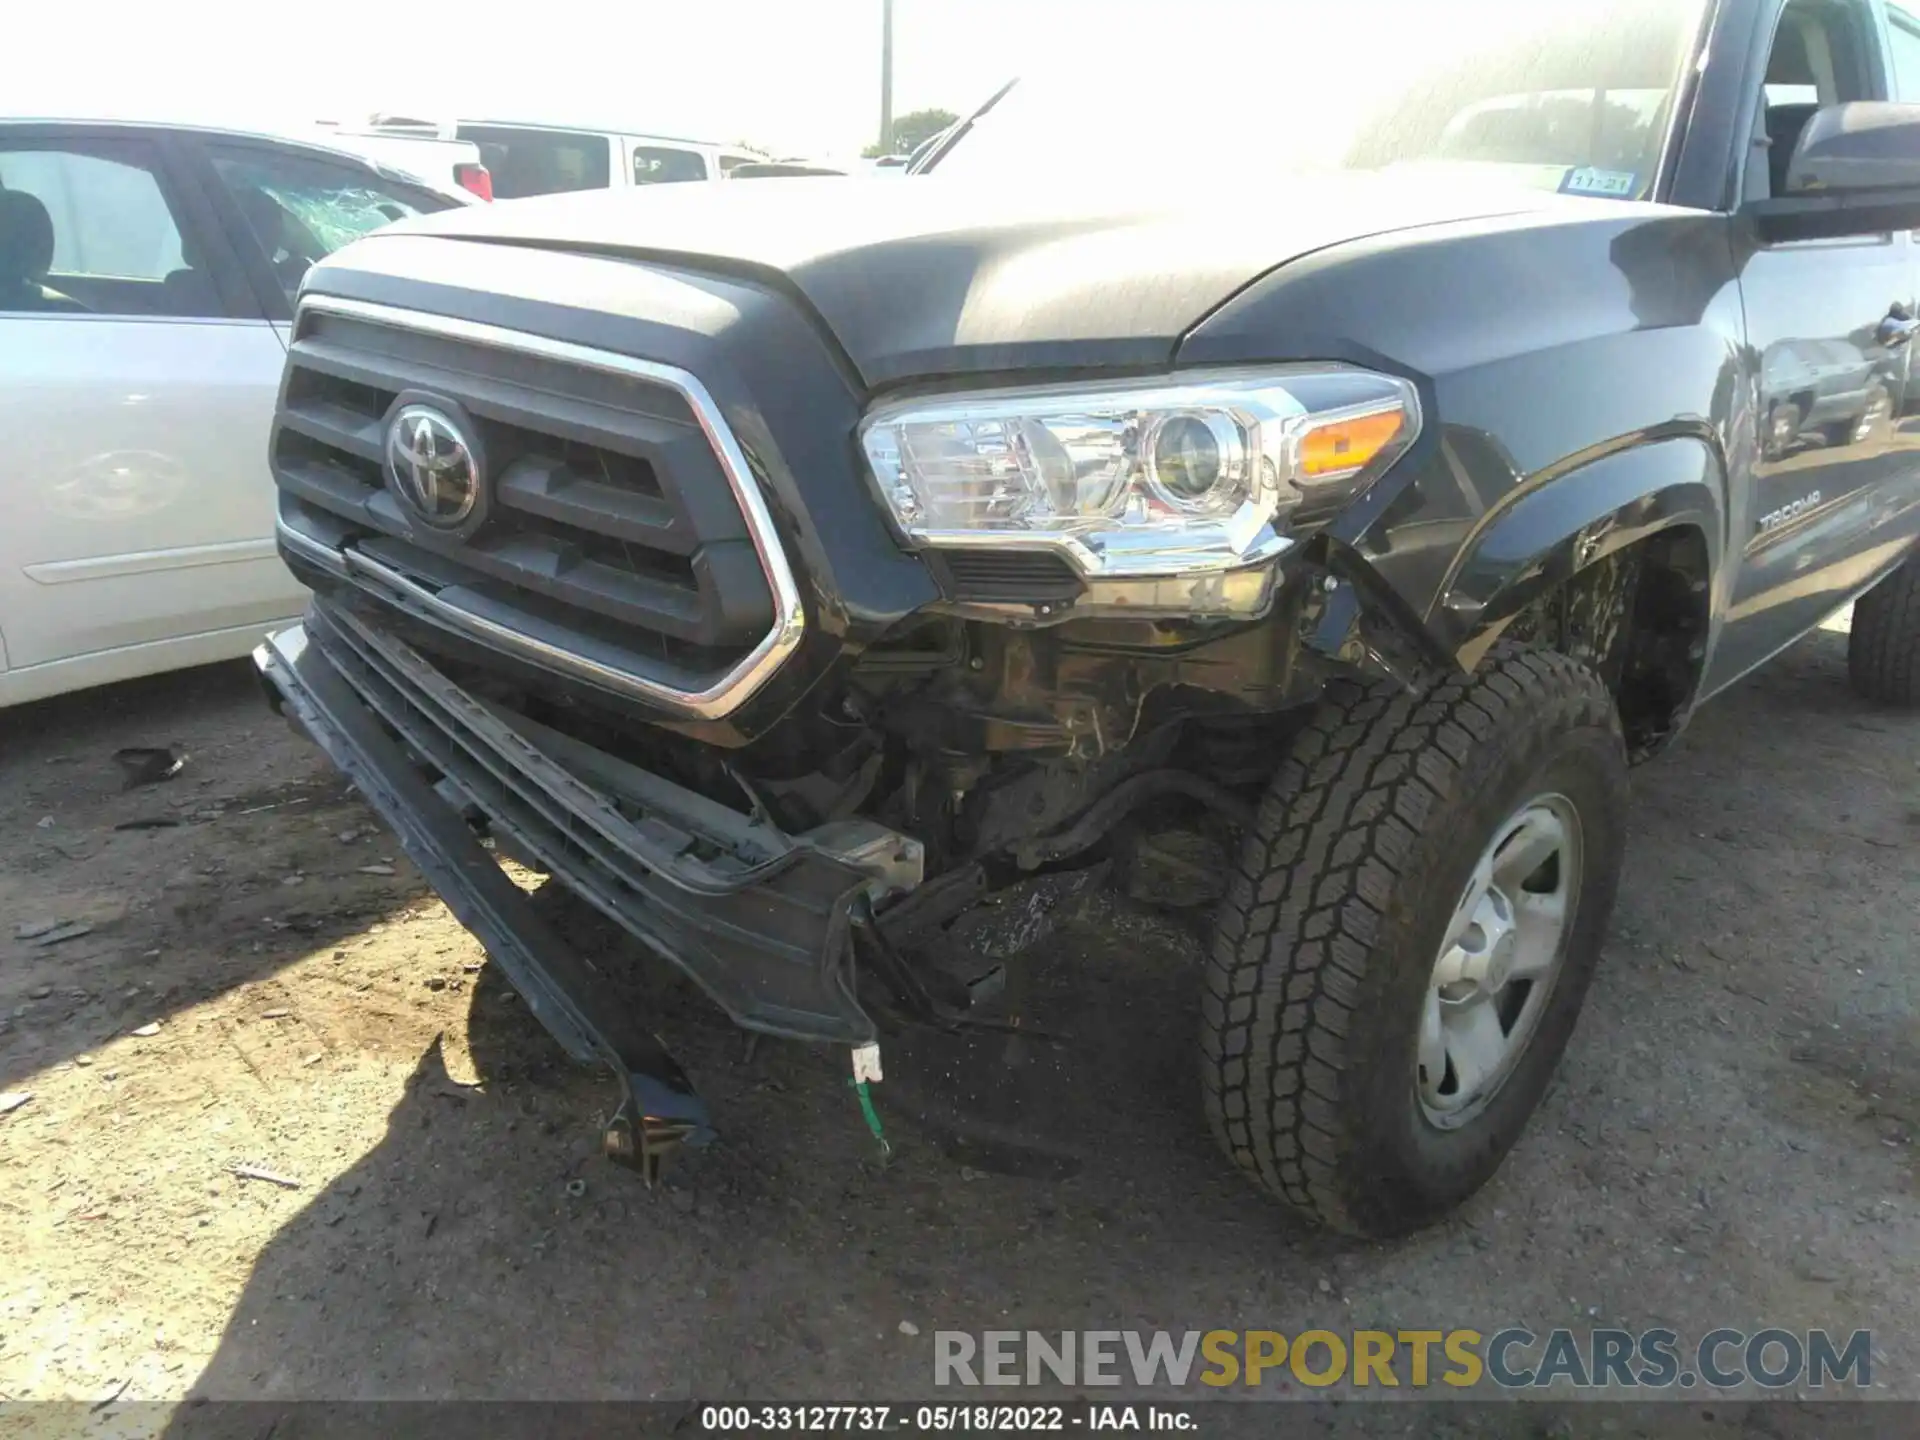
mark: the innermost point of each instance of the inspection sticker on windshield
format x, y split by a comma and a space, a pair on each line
1585, 180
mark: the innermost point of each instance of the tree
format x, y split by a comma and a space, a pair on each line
911, 129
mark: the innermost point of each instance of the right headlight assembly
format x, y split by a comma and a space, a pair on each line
1166, 496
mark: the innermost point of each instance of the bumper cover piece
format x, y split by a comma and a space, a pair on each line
757, 918
658, 1106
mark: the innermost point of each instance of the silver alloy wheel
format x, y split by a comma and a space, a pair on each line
1498, 960
1783, 427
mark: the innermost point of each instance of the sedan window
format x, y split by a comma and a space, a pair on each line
88, 229
300, 208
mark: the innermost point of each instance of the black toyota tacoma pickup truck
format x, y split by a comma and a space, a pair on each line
784, 569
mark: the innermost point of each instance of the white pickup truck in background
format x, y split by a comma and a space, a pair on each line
432, 152
535, 158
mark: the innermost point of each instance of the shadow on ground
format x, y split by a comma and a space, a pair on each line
189, 887
782, 1260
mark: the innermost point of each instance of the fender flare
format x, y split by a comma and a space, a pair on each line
1568, 518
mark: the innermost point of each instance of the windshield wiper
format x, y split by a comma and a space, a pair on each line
954, 133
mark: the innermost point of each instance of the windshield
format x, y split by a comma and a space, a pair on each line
1569, 95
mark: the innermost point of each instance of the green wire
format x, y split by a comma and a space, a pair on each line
873, 1117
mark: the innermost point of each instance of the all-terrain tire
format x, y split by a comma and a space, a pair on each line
1325, 944
1883, 651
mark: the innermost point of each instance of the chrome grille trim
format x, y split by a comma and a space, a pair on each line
712, 702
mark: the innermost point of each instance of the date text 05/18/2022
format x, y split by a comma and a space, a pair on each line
978, 1419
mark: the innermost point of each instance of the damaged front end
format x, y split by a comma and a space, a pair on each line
959, 762
666, 650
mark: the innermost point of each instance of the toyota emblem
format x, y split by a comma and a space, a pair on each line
433, 467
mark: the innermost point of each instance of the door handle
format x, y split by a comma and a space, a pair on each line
1896, 329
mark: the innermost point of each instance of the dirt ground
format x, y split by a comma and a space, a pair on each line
1730, 1141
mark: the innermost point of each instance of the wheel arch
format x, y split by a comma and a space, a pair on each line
1612, 560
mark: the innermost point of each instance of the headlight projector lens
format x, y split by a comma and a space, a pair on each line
1197, 462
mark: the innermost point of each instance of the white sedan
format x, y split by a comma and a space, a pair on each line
146, 283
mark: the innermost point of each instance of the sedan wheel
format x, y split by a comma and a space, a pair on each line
1879, 410
1783, 428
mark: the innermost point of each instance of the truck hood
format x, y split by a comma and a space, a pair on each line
920, 277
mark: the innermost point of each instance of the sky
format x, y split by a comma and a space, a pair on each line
795, 76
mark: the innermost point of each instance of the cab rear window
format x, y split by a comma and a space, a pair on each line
527, 162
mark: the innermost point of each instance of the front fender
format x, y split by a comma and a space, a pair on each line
1566, 519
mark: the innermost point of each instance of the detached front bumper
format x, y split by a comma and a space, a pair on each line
758, 918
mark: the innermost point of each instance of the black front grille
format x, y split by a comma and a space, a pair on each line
613, 530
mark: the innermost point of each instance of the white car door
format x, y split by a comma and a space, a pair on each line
137, 384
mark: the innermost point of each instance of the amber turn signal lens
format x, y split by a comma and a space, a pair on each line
1344, 446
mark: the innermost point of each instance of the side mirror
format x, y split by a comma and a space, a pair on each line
1855, 170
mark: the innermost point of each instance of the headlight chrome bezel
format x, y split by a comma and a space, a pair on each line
1143, 547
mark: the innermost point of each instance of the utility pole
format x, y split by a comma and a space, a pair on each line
886, 77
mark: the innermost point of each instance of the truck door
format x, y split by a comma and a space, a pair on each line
1828, 330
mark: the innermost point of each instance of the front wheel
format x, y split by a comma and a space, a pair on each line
1406, 942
